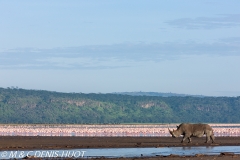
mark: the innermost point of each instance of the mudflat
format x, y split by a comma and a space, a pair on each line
41, 142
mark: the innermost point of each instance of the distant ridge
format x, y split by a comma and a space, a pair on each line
158, 94
21, 106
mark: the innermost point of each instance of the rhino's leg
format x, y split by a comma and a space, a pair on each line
207, 138
210, 135
212, 138
185, 137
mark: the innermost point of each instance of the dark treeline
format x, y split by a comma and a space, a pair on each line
34, 106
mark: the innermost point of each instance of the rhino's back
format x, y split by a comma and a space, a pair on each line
187, 127
204, 127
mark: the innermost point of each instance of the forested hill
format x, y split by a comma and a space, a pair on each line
31, 106
156, 94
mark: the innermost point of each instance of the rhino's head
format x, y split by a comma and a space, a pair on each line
174, 133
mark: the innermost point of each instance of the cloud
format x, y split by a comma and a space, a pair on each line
221, 21
232, 40
112, 56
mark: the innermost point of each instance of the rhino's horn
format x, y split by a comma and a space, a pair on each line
169, 131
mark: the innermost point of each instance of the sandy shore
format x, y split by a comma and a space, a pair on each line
39, 142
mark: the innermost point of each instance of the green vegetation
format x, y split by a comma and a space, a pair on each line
31, 106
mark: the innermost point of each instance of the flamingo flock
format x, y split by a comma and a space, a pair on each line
139, 130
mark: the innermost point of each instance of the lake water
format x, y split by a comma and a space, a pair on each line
120, 152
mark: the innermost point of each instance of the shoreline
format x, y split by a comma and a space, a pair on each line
21, 143
48, 142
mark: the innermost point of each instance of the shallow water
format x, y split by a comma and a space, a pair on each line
121, 152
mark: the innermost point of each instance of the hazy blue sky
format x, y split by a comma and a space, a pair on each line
190, 47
